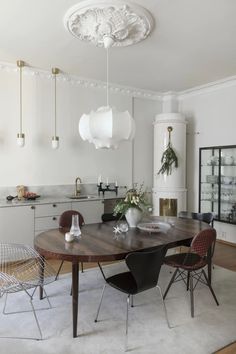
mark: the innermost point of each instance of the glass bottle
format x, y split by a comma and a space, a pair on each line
75, 228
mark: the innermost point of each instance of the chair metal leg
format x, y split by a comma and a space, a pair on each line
34, 313
164, 305
59, 269
127, 324
191, 295
188, 276
36, 319
99, 306
31, 297
132, 300
170, 283
210, 287
82, 267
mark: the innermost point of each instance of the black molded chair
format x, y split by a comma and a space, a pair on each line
205, 217
189, 266
65, 221
111, 217
143, 274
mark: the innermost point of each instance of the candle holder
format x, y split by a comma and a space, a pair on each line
106, 189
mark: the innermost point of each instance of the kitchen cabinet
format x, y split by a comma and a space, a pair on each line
217, 182
17, 224
91, 210
47, 215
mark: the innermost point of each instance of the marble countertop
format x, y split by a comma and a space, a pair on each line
56, 199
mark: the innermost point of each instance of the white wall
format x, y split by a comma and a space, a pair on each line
144, 112
211, 116
37, 163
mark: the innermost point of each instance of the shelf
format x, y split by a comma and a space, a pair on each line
234, 165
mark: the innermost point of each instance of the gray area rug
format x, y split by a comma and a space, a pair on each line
212, 328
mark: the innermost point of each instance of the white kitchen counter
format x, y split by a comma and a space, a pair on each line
59, 199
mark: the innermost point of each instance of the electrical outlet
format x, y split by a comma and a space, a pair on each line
223, 235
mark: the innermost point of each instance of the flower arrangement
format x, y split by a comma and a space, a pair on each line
134, 198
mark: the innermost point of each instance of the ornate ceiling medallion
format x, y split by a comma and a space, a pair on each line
122, 21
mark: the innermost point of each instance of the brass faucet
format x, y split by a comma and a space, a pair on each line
77, 186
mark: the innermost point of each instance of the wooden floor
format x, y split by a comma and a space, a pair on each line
225, 256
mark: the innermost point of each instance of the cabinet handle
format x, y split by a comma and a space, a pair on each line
32, 207
54, 205
54, 218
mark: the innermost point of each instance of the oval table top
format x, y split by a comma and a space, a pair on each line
98, 242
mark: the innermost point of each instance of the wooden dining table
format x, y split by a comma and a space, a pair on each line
99, 243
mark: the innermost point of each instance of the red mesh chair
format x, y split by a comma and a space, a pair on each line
189, 266
65, 221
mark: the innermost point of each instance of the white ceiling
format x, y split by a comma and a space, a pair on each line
193, 43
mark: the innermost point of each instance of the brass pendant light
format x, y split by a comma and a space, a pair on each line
55, 138
20, 135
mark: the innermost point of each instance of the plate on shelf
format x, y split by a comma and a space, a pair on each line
154, 226
32, 197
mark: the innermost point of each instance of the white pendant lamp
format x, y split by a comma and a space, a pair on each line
55, 138
107, 127
20, 135
107, 24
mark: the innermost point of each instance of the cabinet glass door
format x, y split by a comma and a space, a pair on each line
228, 184
217, 182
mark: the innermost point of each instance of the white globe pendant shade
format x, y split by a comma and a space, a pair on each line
107, 127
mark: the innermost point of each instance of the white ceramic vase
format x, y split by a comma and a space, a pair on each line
133, 216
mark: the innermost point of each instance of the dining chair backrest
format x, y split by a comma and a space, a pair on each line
203, 241
145, 267
110, 217
66, 218
205, 217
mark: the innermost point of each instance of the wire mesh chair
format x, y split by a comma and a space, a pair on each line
23, 269
190, 266
65, 221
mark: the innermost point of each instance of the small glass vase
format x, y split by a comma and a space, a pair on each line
75, 229
133, 216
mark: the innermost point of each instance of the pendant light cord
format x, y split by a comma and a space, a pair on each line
107, 77
20, 100
55, 105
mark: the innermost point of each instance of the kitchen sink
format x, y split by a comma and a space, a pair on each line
82, 197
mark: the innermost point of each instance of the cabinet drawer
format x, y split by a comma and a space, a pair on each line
51, 209
46, 223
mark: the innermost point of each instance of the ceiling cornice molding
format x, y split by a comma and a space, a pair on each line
84, 82
207, 88
121, 89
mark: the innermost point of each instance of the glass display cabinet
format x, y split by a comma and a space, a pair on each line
217, 182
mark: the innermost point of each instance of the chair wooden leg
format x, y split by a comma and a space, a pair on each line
170, 283
59, 269
210, 287
191, 294
100, 303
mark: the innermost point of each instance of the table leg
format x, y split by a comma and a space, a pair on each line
75, 295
